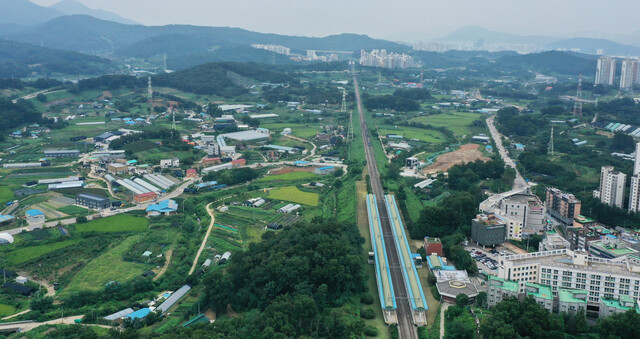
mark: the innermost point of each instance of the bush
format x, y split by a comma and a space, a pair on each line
393, 331
368, 313
367, 299
370, 331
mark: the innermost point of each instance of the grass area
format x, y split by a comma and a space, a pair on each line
6, 310
298, 130
71, 209
107, 267
293, 194
6, 194
426, 135
288, 176
414, 205
28, 253
457, 122
117, 223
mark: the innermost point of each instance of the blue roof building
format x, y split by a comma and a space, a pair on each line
324, 170
130, 123
165, 207
33, 213
139, 314
206, 184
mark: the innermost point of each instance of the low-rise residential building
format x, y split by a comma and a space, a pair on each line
165, 207
499, 289
167, 163
34, 216
488, 230
93, 201
542, 295
571, 301
117, 168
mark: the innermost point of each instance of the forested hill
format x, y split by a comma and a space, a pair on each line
87, 34
224, 79
550, 62
20, 59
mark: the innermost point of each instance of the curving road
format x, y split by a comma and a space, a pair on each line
519, 182
405, 320
204, 241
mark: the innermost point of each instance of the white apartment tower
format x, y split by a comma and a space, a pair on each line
634, 189
606, 71
612, 184
629, 74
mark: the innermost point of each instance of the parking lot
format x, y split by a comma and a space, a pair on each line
487, 259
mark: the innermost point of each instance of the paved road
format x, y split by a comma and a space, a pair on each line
204, 241
442, 310
28, 326
519, 182
405, 320
35, 94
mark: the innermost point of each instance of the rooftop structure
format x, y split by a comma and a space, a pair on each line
93, 201
245, 136
488, 230
451, 283
177, 295
165, 207
563, 206
610, 247
139, 314
553, 241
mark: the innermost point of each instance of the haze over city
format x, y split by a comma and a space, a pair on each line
406, 20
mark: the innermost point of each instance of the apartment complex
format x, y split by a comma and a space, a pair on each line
381, 58
563, 206
601, 279
634, 188
629, 74
605, 71
611, 191
499, 289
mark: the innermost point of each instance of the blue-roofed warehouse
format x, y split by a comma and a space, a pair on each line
165, 207
139, 314
324, 170
34, 215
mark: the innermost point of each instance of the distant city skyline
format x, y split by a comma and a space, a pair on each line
406, 20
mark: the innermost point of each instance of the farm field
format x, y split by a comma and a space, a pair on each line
6, 194
298, 130
293, 194
426, 135
28, 253
457, 122
118, 223
288, 176
71, 209
107, 267
6, 310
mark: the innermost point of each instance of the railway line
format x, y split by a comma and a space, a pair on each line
403, 312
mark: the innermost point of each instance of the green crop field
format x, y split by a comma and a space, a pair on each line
28, 253
293, 194
71, 209
107, 267
297, 130
288, 176
118, 223
6, 194
6, 310
426, 135
457, 122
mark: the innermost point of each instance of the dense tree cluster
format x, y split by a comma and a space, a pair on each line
454, 251
453, 214
168, 136
111, 82
461, 177
14, 115
512, 122
233, 176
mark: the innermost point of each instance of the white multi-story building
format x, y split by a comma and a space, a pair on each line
606, 71
612, 184
380, 58
629, 74
566, 269
524, 213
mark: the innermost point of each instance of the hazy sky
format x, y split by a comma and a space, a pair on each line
407, 20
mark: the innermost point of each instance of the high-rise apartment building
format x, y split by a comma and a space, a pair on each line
629, 74
634, 189
606, 71
612, 184
561, 205
381, 58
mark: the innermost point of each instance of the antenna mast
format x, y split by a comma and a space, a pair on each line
577, 105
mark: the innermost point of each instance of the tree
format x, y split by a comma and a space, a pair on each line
41, 97
511, 318
189, 225
481, 299
42, 304
462, 300
621, 325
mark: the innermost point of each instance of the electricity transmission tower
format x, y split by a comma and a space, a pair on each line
550, 151
577, 104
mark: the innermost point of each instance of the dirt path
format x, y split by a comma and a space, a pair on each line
204, 241
50, 290
17, 314
167, 261
442, 310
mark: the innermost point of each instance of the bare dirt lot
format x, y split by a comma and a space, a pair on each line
289, 169
466, 153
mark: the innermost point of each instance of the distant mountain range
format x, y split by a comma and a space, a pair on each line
26, 13
584, 45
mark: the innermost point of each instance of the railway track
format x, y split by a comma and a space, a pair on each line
405, 320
